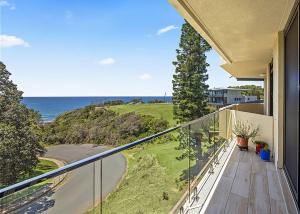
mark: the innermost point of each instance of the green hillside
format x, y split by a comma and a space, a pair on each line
157, 110
100, 125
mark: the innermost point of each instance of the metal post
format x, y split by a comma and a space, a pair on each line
94, 187
226, 123
214, 141
226, 131
211, 168
181, 211
224, 146
189, 142
101, 202
195, 195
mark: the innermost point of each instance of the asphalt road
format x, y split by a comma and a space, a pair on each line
78, 191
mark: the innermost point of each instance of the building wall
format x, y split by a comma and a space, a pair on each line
278, 97
278, 85
249, 98
220, 97
266, 92
263, 122
231, 95
256, 108
216, 97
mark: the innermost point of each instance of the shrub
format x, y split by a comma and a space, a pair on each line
165, 196
245, 130
136, 101
99, 125
156, 101
113, 103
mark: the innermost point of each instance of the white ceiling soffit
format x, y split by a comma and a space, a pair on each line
246, 69
243, 32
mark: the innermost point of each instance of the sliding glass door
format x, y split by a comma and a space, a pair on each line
291, 141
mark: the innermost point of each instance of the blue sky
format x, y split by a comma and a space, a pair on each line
94, 48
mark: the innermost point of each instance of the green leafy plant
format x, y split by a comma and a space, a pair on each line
245, 130
259, 142
266, 147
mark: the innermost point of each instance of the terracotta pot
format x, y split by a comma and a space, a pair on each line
242, 142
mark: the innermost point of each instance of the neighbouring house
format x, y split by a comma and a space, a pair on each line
258, 40
248, 99
220, 97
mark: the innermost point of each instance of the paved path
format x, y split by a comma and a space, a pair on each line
77, 193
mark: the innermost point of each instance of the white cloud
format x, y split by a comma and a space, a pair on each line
166, 29
107, 61
68, 14
145, 76
7, 41
5, 3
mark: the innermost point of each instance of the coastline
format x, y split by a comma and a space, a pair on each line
51, 107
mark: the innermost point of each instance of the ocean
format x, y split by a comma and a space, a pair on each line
51, 107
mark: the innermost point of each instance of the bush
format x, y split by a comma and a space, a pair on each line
113, 103
136, 101
98, 125
165, 196
156, 101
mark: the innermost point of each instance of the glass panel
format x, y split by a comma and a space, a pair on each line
154, 180
159, 176
36, 198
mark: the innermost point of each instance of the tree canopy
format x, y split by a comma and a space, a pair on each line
19, 132
189, 87
190, 95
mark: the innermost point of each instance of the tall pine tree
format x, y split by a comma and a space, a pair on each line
189, 87
190, 95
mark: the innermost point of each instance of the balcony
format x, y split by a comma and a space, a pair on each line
247, 185
191, 168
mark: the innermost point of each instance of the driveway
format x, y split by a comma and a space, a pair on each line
77, 193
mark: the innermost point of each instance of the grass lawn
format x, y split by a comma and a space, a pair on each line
158, 110
152, 183
42, 167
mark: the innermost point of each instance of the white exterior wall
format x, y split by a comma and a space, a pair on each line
249, 98
267, 91
231, 95
278, 98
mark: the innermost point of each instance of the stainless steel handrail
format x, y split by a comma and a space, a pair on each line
69, 167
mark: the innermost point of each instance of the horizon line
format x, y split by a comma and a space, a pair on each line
101, 96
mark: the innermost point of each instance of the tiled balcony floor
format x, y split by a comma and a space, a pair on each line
248, 185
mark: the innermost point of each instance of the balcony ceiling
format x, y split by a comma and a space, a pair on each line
243, 32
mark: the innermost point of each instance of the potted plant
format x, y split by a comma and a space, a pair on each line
244, 132
265, 153
258, 146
